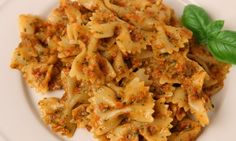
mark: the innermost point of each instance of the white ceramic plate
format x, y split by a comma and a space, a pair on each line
19, 119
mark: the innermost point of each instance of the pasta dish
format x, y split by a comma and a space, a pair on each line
129, 70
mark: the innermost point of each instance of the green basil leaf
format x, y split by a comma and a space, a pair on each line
196, 19
223, 47
214, 28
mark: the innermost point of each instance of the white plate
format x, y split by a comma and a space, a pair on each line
19, 120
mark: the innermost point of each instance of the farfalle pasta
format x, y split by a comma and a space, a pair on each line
129, 70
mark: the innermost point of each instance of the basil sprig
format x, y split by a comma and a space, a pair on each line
221, 43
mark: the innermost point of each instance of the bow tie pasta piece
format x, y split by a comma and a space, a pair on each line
57, 113
137, 95
198, 105
170, 39
111, 107
105, 116
91, 66
38, 75
54, 114
157, 130
35, 56
212, 85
